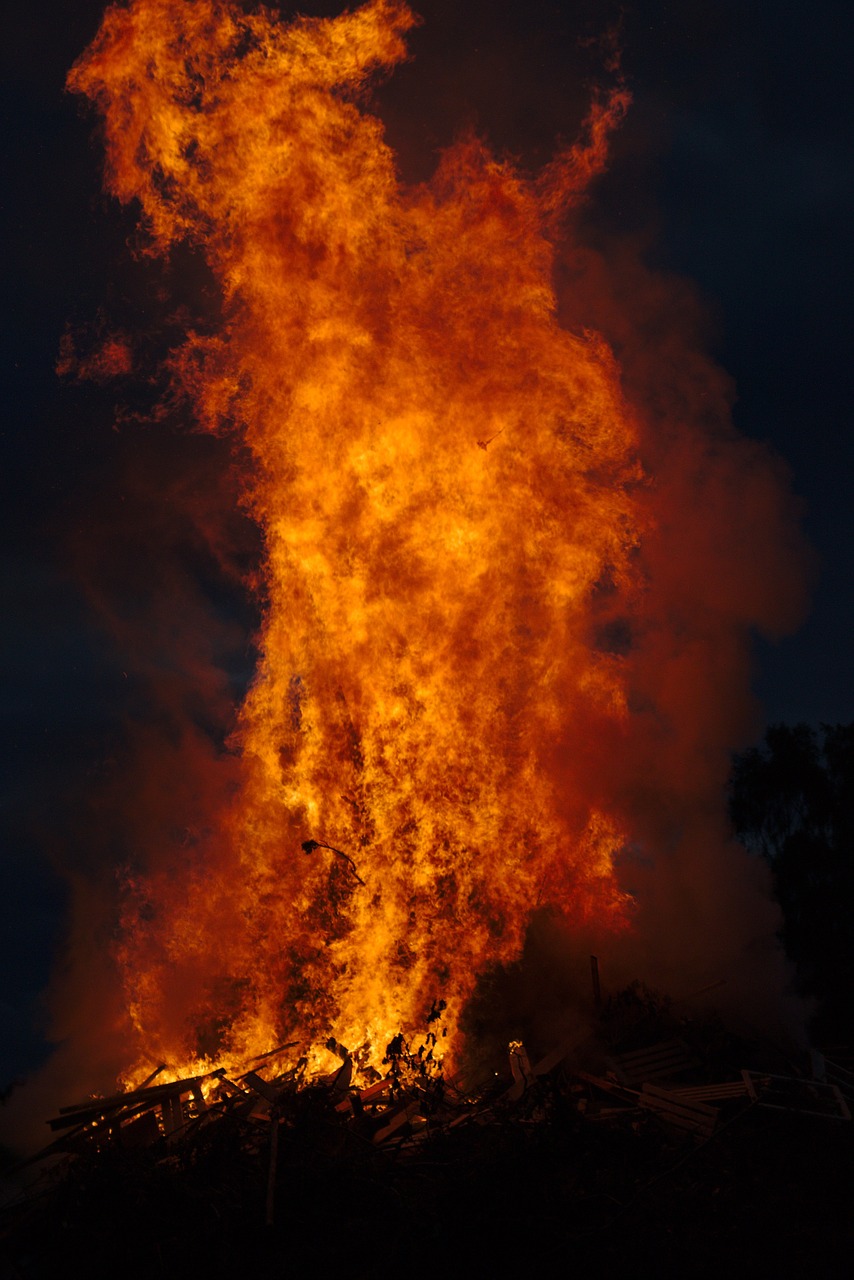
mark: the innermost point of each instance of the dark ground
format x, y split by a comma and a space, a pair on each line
768, 1196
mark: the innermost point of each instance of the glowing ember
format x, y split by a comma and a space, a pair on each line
449, 488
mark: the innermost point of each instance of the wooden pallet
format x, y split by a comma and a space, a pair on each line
713, 1092
660, 1061
688, 1114
801, 1097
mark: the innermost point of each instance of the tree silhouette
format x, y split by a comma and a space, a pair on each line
792, 802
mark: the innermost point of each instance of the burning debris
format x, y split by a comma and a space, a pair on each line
644, 1111
414, 1098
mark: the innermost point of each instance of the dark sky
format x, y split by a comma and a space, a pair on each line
735, 163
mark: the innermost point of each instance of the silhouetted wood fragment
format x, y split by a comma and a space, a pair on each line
557, 1055
609, 1086
172, 1113
309, 846
803, 1097
520, 1067
263, 1088
675, 1109
94, 1108
271, 1053
400, 1116
713, 1092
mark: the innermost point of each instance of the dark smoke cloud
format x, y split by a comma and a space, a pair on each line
724, 560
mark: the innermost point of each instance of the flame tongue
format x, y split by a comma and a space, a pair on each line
445, 482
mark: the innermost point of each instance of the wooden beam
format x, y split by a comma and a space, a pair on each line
262, 1087
675, 1109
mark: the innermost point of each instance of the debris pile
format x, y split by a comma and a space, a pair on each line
584, 1134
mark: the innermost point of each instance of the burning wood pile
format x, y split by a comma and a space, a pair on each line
602, 1119
404, 1109
679, 1080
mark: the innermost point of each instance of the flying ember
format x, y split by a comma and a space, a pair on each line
455, 514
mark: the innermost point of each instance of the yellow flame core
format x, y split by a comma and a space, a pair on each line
445, 482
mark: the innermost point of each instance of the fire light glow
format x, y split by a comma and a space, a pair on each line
455, 515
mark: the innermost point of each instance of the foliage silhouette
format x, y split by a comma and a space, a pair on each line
792, 802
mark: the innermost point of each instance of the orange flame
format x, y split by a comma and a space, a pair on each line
449, 488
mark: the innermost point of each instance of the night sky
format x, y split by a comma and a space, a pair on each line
733, 168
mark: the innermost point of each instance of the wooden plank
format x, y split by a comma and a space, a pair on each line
242, 1104
520, 1067
262, 1087
677, 1102
93, 1113
122, 1099
119, 1120
685, 1113
234, 1090
340, 1082
556, 1056
402, 1116
373, 1091
94, 1109
711, 1092
609, 1086
666, 1052
141, 1131
271, 1053
659, 1061
172, 1114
